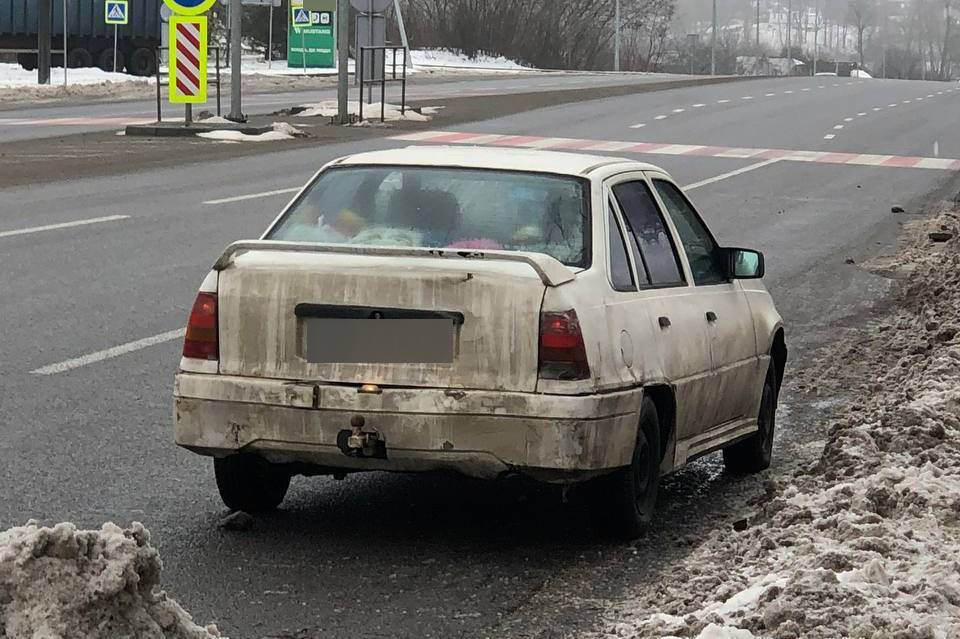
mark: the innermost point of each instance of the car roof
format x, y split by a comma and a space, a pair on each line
508, 159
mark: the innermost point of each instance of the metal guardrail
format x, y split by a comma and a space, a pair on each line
157, 58
383, 79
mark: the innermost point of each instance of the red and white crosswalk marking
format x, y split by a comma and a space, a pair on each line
188, 73
656, 148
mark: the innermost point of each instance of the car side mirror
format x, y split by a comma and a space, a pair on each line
744, 264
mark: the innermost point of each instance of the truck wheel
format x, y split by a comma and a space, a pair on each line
753, 454
250, 483
142, 62
105, 60
624, 502
28, 61
79, 58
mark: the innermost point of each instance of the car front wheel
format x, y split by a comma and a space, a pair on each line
753, 454
250, 483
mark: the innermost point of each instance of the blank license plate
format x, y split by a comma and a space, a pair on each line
379, 341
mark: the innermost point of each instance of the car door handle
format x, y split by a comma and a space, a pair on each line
664, 321
711, 317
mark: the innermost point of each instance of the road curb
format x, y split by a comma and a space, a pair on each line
178, 129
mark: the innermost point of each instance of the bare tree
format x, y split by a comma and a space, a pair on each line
861, 15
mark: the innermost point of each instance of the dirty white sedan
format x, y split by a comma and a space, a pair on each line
567, 318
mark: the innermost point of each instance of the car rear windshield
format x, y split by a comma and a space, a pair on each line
433, 207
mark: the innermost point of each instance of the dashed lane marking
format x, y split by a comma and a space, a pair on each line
691, 150
63, 225
252, 196
829, 136
109, 353
638, 126
729, 174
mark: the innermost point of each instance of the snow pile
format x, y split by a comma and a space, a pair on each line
865, 541
281, 131
60, 582
13, 75
328, 109
860, 73
455, 59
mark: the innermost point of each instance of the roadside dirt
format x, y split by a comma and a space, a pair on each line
95, 154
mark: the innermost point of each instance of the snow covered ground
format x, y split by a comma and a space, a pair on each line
61, 583
13, 75
445, 58
391, 112
865, 541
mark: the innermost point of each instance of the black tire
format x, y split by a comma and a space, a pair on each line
28, 61
105, 60
79, 58
250, 483
754, 453
142, 62
623, 503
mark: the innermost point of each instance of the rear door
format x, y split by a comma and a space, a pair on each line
723, 306
670, 330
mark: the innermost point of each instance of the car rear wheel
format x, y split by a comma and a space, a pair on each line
250, 483
624, 502
753, 454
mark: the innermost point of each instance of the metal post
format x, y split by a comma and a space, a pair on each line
383, 89
270, 39
789, 31
758, 25
616, 37
64, 42
188, 114
236, 18
343, 60
403, 85
370, 42
816, 30
43, 41
360, 101
114, 48
403, 33
216, 51
156, 59
713, 42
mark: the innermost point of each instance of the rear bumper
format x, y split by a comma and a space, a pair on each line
478, 433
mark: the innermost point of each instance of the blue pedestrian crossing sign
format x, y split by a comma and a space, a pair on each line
301, 18
116, 12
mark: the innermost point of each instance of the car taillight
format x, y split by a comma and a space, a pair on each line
201, 341
562, 353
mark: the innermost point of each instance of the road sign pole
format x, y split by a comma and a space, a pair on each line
303, 51
343, 60
713, 42
270, 39
403, 34
114, 48
236, 18
64, 42
616, 37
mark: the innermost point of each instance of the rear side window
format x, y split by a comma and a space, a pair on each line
650, 233
621, 277
703, 254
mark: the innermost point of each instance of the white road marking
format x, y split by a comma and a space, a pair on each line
918, 100
807, 89
906, 102
862, 113
848, 119
770, 95
722, 101
660, 117
110, 353
730, 174
838, 127
63, 225
698, 105
822, 86
253, 196
679, 110
878, 108
837, 84
638, 126
747, 97
892, 105
829, 136
788, 91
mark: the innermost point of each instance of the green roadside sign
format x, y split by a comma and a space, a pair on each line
310, 34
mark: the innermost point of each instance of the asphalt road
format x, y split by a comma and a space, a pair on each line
29, 121
417, 556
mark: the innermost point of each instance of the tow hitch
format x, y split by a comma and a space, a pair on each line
359, 443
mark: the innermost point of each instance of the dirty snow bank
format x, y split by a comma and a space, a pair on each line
865, 541
456, 59
328, 109
13, 75
281, 131
64, 583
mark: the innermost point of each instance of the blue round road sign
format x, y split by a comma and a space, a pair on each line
189, 7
